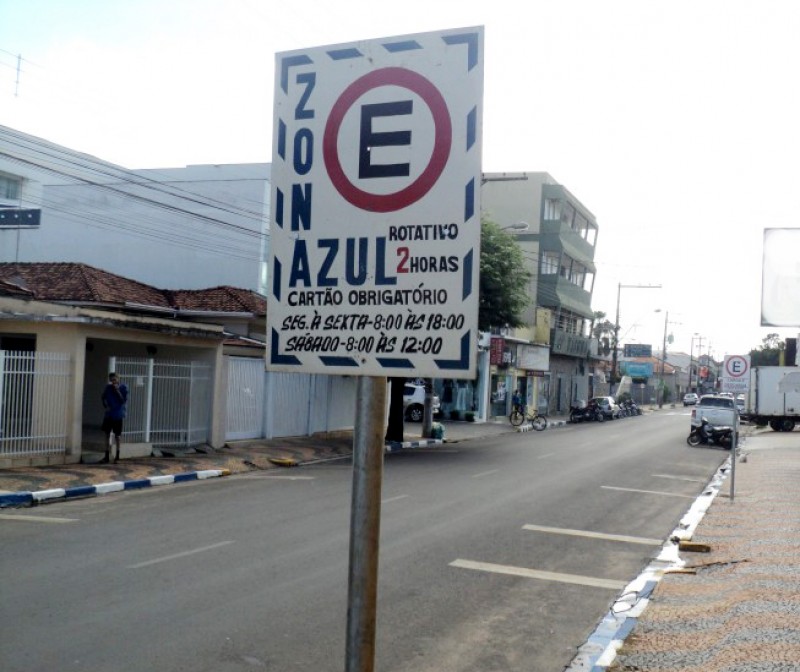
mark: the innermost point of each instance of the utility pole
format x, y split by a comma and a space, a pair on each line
700, 340
19, 68
663, 360
614, 354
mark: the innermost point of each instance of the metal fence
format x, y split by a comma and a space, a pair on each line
169, 401
34, 398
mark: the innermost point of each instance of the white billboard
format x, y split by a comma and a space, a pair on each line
780, 284
375, 231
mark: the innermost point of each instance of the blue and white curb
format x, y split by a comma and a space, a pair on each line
600, 650
44, 496
528, 427
394, 446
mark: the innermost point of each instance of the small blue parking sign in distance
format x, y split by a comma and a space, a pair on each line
375, 230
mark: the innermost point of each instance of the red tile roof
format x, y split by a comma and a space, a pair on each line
87, 285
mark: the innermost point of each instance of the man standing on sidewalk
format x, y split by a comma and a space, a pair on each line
114, 398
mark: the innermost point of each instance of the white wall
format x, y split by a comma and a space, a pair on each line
175, 228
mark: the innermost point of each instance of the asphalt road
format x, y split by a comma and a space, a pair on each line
485, 561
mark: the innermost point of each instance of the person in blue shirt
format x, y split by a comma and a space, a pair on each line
114, 398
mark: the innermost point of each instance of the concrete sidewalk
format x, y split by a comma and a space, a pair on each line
36, 485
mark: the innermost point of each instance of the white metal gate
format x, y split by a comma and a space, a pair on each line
169, 401
245, 401
34, 399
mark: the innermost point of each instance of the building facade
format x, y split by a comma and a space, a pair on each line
176, 228
558, 235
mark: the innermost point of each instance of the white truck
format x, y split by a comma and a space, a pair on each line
773, 398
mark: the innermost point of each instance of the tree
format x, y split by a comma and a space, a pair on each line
603, 331
504, 279
502, 298
769, 352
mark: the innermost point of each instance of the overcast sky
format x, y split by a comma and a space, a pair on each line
676, 123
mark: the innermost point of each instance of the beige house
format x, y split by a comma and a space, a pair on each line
64, 326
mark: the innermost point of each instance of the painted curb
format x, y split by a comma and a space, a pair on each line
394, 446
551, 424
600, 650
42, 496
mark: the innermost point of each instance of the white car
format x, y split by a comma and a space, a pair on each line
414, 402
690, 399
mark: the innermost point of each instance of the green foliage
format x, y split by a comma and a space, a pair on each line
769, 352
504, 279
603, 331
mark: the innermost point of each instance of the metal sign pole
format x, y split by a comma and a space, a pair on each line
734, 444
365, 521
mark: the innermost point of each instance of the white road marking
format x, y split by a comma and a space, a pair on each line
485, 473
524, 572
288, 478
167, 558
594, 535
393, 499
682, 478
541, 457
649, 492
37, 519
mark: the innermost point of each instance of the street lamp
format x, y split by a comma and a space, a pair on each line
519, 227
616, 329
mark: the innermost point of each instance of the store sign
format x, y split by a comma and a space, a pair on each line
637, 350
565, 343
533, 357
637, 369
18, 218
375, 230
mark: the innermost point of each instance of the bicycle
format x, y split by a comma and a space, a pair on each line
520, 414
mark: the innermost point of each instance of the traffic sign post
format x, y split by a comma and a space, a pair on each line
375, 232
375, 241
735, 379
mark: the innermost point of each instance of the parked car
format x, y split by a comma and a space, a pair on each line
690, 399
740, 404
414, 402
607, 405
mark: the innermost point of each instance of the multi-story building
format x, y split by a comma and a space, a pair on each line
557, 234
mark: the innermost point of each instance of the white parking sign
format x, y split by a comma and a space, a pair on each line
375, 232
736, 374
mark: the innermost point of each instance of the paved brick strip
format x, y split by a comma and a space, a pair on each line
740, 611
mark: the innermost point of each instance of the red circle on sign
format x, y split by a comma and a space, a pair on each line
737, 358
441, 145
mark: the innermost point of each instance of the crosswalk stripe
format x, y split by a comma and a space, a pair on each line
37, 519
648, 492
524, 572
594, 535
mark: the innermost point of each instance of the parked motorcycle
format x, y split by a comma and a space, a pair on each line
631, 408
582, 413
718, 435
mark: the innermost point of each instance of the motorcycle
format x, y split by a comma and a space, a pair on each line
581, 413
718, 435
586, 413
632, 408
